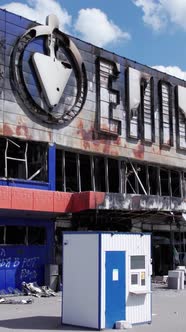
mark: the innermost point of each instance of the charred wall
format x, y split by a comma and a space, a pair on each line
130, 110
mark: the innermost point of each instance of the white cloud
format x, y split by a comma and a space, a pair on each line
94, 26
162, 13
176, 11
37, 10
153, 14
172, 70
91, 25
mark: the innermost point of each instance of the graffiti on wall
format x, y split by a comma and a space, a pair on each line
27, 266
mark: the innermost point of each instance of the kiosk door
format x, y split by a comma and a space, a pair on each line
115, 287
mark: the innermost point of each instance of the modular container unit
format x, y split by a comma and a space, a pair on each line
106, 278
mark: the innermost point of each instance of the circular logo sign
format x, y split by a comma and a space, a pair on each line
48, 73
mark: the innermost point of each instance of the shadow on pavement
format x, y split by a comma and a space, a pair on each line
39, 323
33, 323
65, 327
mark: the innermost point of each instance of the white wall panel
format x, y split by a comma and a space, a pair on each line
80, 280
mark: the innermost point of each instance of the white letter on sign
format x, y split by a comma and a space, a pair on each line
107, 98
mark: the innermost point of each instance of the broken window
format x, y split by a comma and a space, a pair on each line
175, 184
36, 235
1, 234
71, 171
37, 161
113, 174
184, 184
16, 165
130, 180
79, 172
15, 235
22, 235
23, 160
122, 174
99, 168
153, 180
2, 162
85, 172
164, 179
142, 183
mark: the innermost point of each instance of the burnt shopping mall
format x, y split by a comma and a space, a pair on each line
89, 140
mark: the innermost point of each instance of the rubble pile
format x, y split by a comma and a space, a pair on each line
33, 289
28, 289
15, 301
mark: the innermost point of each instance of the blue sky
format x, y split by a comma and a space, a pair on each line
152, 32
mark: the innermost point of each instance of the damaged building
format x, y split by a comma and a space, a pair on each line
89, 140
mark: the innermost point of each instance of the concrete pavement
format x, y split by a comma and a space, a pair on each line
168, 311
169, 314
42, 315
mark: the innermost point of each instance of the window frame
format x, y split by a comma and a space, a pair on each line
140, 272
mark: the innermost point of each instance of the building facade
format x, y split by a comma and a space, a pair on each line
88, 140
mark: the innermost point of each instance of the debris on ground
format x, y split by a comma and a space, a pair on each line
14, 301
122, 325
160, 279
33, 289
29, 289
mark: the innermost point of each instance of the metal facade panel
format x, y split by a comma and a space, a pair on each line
80, 287
52, 167
35, 200
136, 202
25, 184
5, 197
63, 202
138, 307
43, 200
22, 199
101, 126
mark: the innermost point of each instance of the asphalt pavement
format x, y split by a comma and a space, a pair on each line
44, 314
168, 311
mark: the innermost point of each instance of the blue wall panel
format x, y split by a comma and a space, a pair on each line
2, 15
2, 278
18, 20
52, 166
20, 263
26, 184
14, 29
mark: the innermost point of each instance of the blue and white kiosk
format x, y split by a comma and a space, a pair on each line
106, 279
